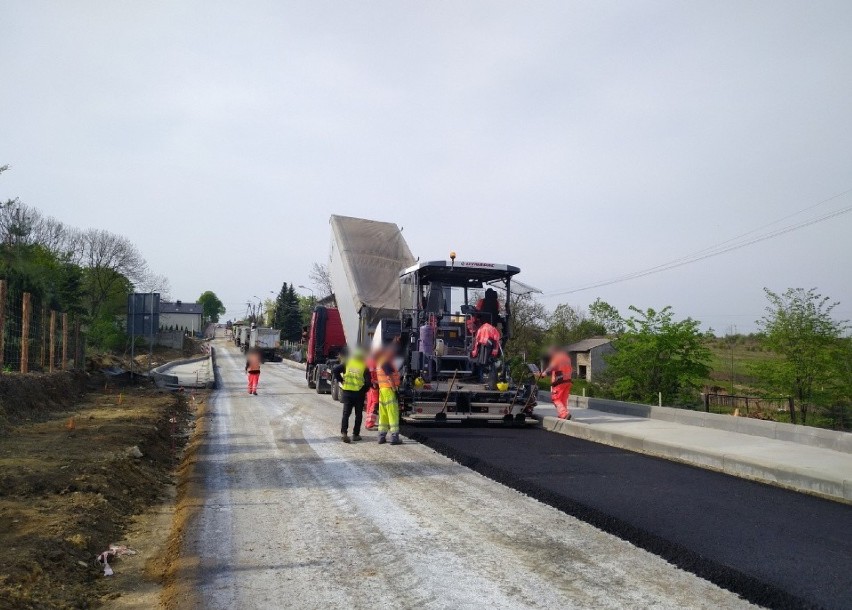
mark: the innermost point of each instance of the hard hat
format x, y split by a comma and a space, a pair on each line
419, 383
502, 386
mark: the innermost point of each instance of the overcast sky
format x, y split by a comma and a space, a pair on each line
577, 140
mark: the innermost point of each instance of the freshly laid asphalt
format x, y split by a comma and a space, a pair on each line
774, 547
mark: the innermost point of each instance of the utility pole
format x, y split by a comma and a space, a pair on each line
732, 341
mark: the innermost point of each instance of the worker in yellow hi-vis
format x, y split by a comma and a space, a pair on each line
387, 377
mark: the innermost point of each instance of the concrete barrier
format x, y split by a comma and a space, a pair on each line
835, 484
805, 435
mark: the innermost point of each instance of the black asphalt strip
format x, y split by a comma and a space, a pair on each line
773, 547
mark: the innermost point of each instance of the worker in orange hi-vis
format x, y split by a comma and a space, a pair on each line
253, 370
560, 371
371, 404
487, 334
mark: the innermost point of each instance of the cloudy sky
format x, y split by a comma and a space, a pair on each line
581, 141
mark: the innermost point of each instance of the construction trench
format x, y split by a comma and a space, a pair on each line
285, 509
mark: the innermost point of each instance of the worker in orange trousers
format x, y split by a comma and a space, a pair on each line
371, 404
253, 370
559, 369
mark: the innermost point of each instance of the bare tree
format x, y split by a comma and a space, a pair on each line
154, 282
109, 258
321, 279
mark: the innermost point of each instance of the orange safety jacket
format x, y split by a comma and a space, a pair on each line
560, 369
383, 379
487, 332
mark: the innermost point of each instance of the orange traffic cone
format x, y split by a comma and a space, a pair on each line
71, 424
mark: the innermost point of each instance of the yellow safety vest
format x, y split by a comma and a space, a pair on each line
353, 379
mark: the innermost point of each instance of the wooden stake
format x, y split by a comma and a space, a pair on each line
52, 339
25, 334
2, 321
64, 341
42, 326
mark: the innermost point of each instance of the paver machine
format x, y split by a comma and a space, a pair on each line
444, 378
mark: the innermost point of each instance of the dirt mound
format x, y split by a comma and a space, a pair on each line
68, 487
33, 395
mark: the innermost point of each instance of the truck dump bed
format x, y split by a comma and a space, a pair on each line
366, 259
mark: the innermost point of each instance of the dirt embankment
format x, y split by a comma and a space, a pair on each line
70, 481
33, 396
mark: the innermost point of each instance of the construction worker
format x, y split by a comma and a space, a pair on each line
354, 379
253, 370
559, 369
372, 400
387, 378
485, 336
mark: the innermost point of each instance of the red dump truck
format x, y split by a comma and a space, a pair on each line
325, 343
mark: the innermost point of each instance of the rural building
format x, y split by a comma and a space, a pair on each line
180, 315
587, 356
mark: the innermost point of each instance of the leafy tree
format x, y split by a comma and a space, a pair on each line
211, 306
607, 316
799, 327
569, 324
529, 328
656, 353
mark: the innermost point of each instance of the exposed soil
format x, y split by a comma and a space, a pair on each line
70, 486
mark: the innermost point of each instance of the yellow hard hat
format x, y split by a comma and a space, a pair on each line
502, 386
419, 383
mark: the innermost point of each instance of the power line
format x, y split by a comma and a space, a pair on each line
721, 247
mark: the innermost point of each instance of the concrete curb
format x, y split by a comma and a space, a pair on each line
804, 435
164, 380
294, 365
837, 488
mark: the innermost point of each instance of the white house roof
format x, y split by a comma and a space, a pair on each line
587, 344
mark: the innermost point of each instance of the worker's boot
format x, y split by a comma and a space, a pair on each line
383, 438
356, 437
345, 438
395, 439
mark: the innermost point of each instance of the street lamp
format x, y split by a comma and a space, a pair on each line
311, 289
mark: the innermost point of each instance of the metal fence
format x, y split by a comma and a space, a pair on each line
748, 405
34, 337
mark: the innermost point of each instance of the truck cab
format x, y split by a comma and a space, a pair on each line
326, 342
445, 376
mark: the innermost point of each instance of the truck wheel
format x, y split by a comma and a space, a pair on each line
335, 391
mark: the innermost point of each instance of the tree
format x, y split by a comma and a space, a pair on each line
656, 353
799, 327
211, 306
153, 282
607, 316
569, 324
529, 325
321, 279
291, 329
280, 309
109, 259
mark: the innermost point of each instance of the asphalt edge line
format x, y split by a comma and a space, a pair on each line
748, 587
723, 462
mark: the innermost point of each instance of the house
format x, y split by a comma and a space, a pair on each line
587, 356
181, 316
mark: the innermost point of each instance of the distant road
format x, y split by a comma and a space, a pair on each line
292, 517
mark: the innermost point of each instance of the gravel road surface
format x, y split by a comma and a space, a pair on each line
295, 518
